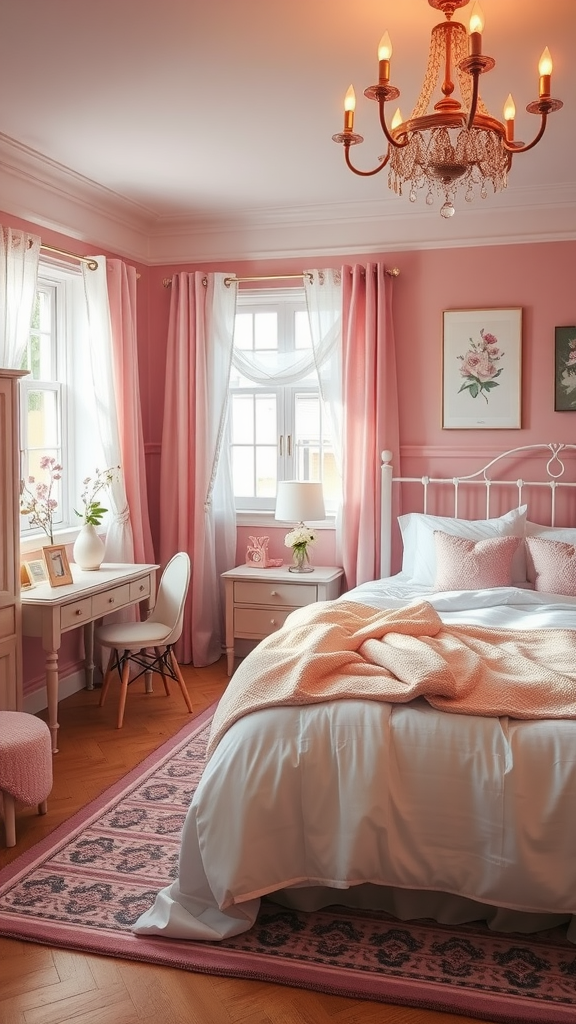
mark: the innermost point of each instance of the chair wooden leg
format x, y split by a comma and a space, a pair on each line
43, 807
158, 653
123, 692
9, 818
180, 678
107, 678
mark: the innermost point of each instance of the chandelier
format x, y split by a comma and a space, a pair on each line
455, 145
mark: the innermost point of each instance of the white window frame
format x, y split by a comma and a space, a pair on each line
66, 285
285, 302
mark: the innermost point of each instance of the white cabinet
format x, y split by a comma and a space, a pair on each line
258, 601
10, 610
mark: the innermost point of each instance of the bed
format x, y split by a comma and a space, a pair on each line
412, 745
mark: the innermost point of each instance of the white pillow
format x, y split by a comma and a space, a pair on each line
417, 528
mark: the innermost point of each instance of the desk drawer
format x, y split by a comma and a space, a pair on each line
75, 613
103, 604
140, 590
272, 594
259, 622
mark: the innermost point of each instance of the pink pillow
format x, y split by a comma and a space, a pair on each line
463, 564
552, 566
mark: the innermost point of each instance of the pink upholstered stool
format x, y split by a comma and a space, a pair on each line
25, 765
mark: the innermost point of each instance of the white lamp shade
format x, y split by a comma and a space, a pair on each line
299, 501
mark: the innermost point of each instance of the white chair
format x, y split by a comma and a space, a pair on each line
132, 643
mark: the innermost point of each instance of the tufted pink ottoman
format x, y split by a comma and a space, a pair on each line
25, 765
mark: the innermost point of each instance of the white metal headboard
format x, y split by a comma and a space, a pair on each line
554, 470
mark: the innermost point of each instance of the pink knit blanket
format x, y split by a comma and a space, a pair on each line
342, 650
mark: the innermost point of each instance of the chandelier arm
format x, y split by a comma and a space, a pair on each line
391, 140
512, 148
474, 101
364, 174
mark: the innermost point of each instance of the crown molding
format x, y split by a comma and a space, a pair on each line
38, 189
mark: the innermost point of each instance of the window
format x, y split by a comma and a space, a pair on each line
55, 401
279, 429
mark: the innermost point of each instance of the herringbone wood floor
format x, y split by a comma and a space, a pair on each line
41, 985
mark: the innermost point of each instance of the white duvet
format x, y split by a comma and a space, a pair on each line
403, 796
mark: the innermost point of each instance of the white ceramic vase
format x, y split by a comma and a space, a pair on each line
88, 548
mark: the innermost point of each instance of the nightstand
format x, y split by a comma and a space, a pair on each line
258, 601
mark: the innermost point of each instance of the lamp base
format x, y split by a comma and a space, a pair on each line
300, 568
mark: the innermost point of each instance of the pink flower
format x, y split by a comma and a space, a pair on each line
485, 369
488, 338
470, 364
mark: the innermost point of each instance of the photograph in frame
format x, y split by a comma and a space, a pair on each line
37, 570
482, 369
57, 565
565, 369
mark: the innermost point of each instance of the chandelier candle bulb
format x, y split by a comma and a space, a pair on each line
396, 120
349, 106
509, 115
545, 72
476, 29
384, 54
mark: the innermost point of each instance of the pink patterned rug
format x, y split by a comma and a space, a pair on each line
85, 884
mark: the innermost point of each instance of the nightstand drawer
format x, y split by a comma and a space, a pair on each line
274, 593
259, 622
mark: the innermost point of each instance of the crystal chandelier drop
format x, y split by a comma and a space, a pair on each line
456, 145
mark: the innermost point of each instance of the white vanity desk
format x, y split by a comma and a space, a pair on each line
47, 612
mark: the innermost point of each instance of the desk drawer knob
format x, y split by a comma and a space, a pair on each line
272, 622
142, 587
78, 611
273, 593
110, 600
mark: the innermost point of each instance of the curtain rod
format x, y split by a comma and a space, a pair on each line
91, 263
167, 281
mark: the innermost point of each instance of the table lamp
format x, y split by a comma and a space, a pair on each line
297, 501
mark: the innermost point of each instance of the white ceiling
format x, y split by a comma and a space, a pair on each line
213, 120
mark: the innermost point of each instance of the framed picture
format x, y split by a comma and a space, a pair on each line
565, 369
57, 565
37, 570
26, 581
482, 369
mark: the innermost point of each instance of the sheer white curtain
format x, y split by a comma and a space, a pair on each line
324, 303
19, 254
197, 512
98, 367
284, 368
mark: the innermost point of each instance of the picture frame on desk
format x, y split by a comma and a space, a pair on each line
26, 580
57, 565
37, 572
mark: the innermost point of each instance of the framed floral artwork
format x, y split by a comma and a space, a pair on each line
565, 364
482, 369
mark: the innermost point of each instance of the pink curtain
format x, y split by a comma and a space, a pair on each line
122, 282
370, 399
197, 512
